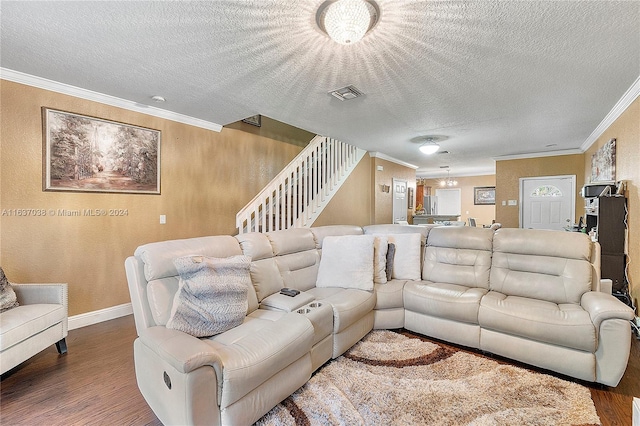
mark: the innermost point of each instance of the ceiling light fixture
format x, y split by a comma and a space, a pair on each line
158, 99
347, 21
429, 148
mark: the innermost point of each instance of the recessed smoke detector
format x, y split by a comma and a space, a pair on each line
346, 93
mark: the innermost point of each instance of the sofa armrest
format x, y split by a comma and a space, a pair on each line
184, 352
30, 294
606, 286
602, 306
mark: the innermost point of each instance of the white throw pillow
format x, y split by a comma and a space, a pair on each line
406, 262
380, 246
347, 262
212, 297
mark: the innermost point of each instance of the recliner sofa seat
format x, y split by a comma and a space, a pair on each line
528, 295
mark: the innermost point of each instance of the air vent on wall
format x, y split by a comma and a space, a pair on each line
346, 93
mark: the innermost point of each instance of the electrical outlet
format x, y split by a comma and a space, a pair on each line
163, 219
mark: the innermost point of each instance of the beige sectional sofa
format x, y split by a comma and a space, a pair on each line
528, 295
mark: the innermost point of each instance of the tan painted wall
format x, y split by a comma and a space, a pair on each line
382, 202
509, 172
484, 214
350, 205
206, 178
626, 131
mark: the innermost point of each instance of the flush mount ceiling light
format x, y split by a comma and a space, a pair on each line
429, 145
429, 148
347, 21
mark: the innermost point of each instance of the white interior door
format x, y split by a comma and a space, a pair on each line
399, 200
547, 202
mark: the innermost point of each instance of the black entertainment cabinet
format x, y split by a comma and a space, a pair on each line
607, 215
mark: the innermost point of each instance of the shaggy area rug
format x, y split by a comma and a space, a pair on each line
392, 379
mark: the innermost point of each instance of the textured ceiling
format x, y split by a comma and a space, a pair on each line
495, 77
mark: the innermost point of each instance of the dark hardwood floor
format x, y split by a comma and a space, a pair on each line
94, 384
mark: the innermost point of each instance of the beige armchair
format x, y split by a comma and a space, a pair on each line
40, 320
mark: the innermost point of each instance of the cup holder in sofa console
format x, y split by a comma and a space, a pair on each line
303, 311
315, 305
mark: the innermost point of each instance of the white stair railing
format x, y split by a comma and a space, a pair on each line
299, 193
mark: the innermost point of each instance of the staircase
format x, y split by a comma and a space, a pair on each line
298, 194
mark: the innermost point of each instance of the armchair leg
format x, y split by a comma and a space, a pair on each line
61, 346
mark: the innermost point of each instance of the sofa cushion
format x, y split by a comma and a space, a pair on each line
347, 262
320, 232
443, 300
158, 257
24, 321
258, 349
299, 270
380, 249
540, 264
406, 262
349, 305
292, 240
391, 254
8, 298
212, 297
389, 295
565, 324
458, 255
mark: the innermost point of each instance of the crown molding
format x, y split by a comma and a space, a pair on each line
66, 89
393, 160
627, 99
539, 154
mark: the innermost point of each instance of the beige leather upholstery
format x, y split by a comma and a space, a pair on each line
455, 273
525, 294
542, 302
39, 321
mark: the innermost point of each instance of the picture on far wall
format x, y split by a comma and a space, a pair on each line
603, 163
89, 154
484, 195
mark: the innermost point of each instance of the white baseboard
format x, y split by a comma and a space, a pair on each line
94, 317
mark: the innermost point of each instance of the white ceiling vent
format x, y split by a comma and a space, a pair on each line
346, 93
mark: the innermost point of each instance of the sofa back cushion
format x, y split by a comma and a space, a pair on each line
458, 255
320, 232
162, 275
541, 264
296, 257
265, 275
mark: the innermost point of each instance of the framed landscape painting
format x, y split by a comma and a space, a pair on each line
484, 195
89, 154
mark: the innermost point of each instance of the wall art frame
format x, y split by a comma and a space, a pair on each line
484, 195
89, 154
603, 163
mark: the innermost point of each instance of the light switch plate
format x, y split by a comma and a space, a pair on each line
513, 202
163, 219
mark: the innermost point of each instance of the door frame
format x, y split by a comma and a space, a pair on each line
521, 194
